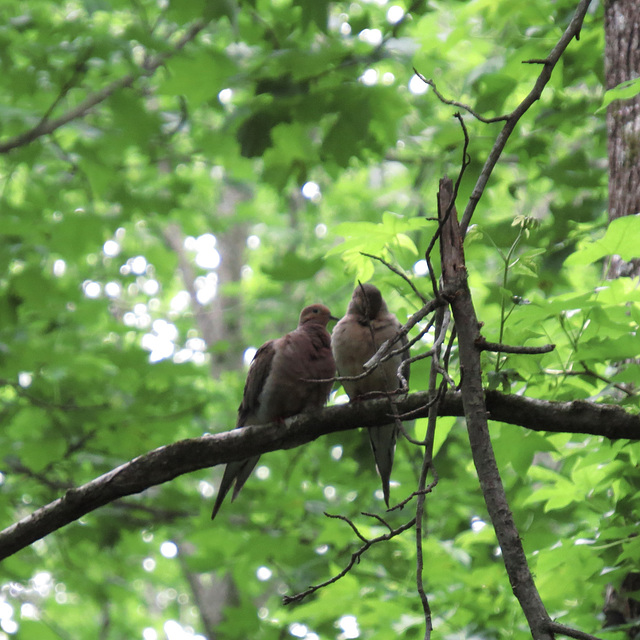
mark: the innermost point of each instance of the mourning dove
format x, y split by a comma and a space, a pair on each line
280, 384
355, 339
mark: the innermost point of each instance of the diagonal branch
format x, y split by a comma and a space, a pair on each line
549, 63
398, 272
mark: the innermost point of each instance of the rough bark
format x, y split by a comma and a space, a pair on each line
454, 273
622, 62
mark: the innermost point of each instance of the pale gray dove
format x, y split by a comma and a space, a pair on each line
280, 384
355, 339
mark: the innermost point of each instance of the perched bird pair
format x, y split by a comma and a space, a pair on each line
280, 382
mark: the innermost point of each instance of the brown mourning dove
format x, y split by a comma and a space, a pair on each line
355, 339
280, 384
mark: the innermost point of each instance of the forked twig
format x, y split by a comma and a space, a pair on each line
355, 556
420, 492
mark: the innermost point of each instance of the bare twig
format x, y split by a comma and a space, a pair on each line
443, 219
455, 103
572, 31
428, 489
349, 522
419, 336
499, 347
420, 412
355, 557
442, 319
380, 519
398, 272
383, 352
432, 353
466, 160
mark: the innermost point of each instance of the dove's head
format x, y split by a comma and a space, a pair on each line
366, 301
316, 314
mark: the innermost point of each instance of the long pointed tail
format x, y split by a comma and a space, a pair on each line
383, 445
237, 472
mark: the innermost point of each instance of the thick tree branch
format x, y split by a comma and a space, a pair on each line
454, 273
168, 462
577, 416
562, 629
47, 126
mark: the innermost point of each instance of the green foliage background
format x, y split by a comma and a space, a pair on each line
319, 93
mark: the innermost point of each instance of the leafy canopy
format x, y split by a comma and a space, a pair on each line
285, 139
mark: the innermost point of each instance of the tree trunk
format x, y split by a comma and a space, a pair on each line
622, 62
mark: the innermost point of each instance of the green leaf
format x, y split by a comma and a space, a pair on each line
623, 91
622, 238
38, 454
199, 76
135, 121
36, 630
443, 428
314, 12
600, 350
558, 495
28, 421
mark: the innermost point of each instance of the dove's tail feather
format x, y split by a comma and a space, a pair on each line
235, 472
383, 445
